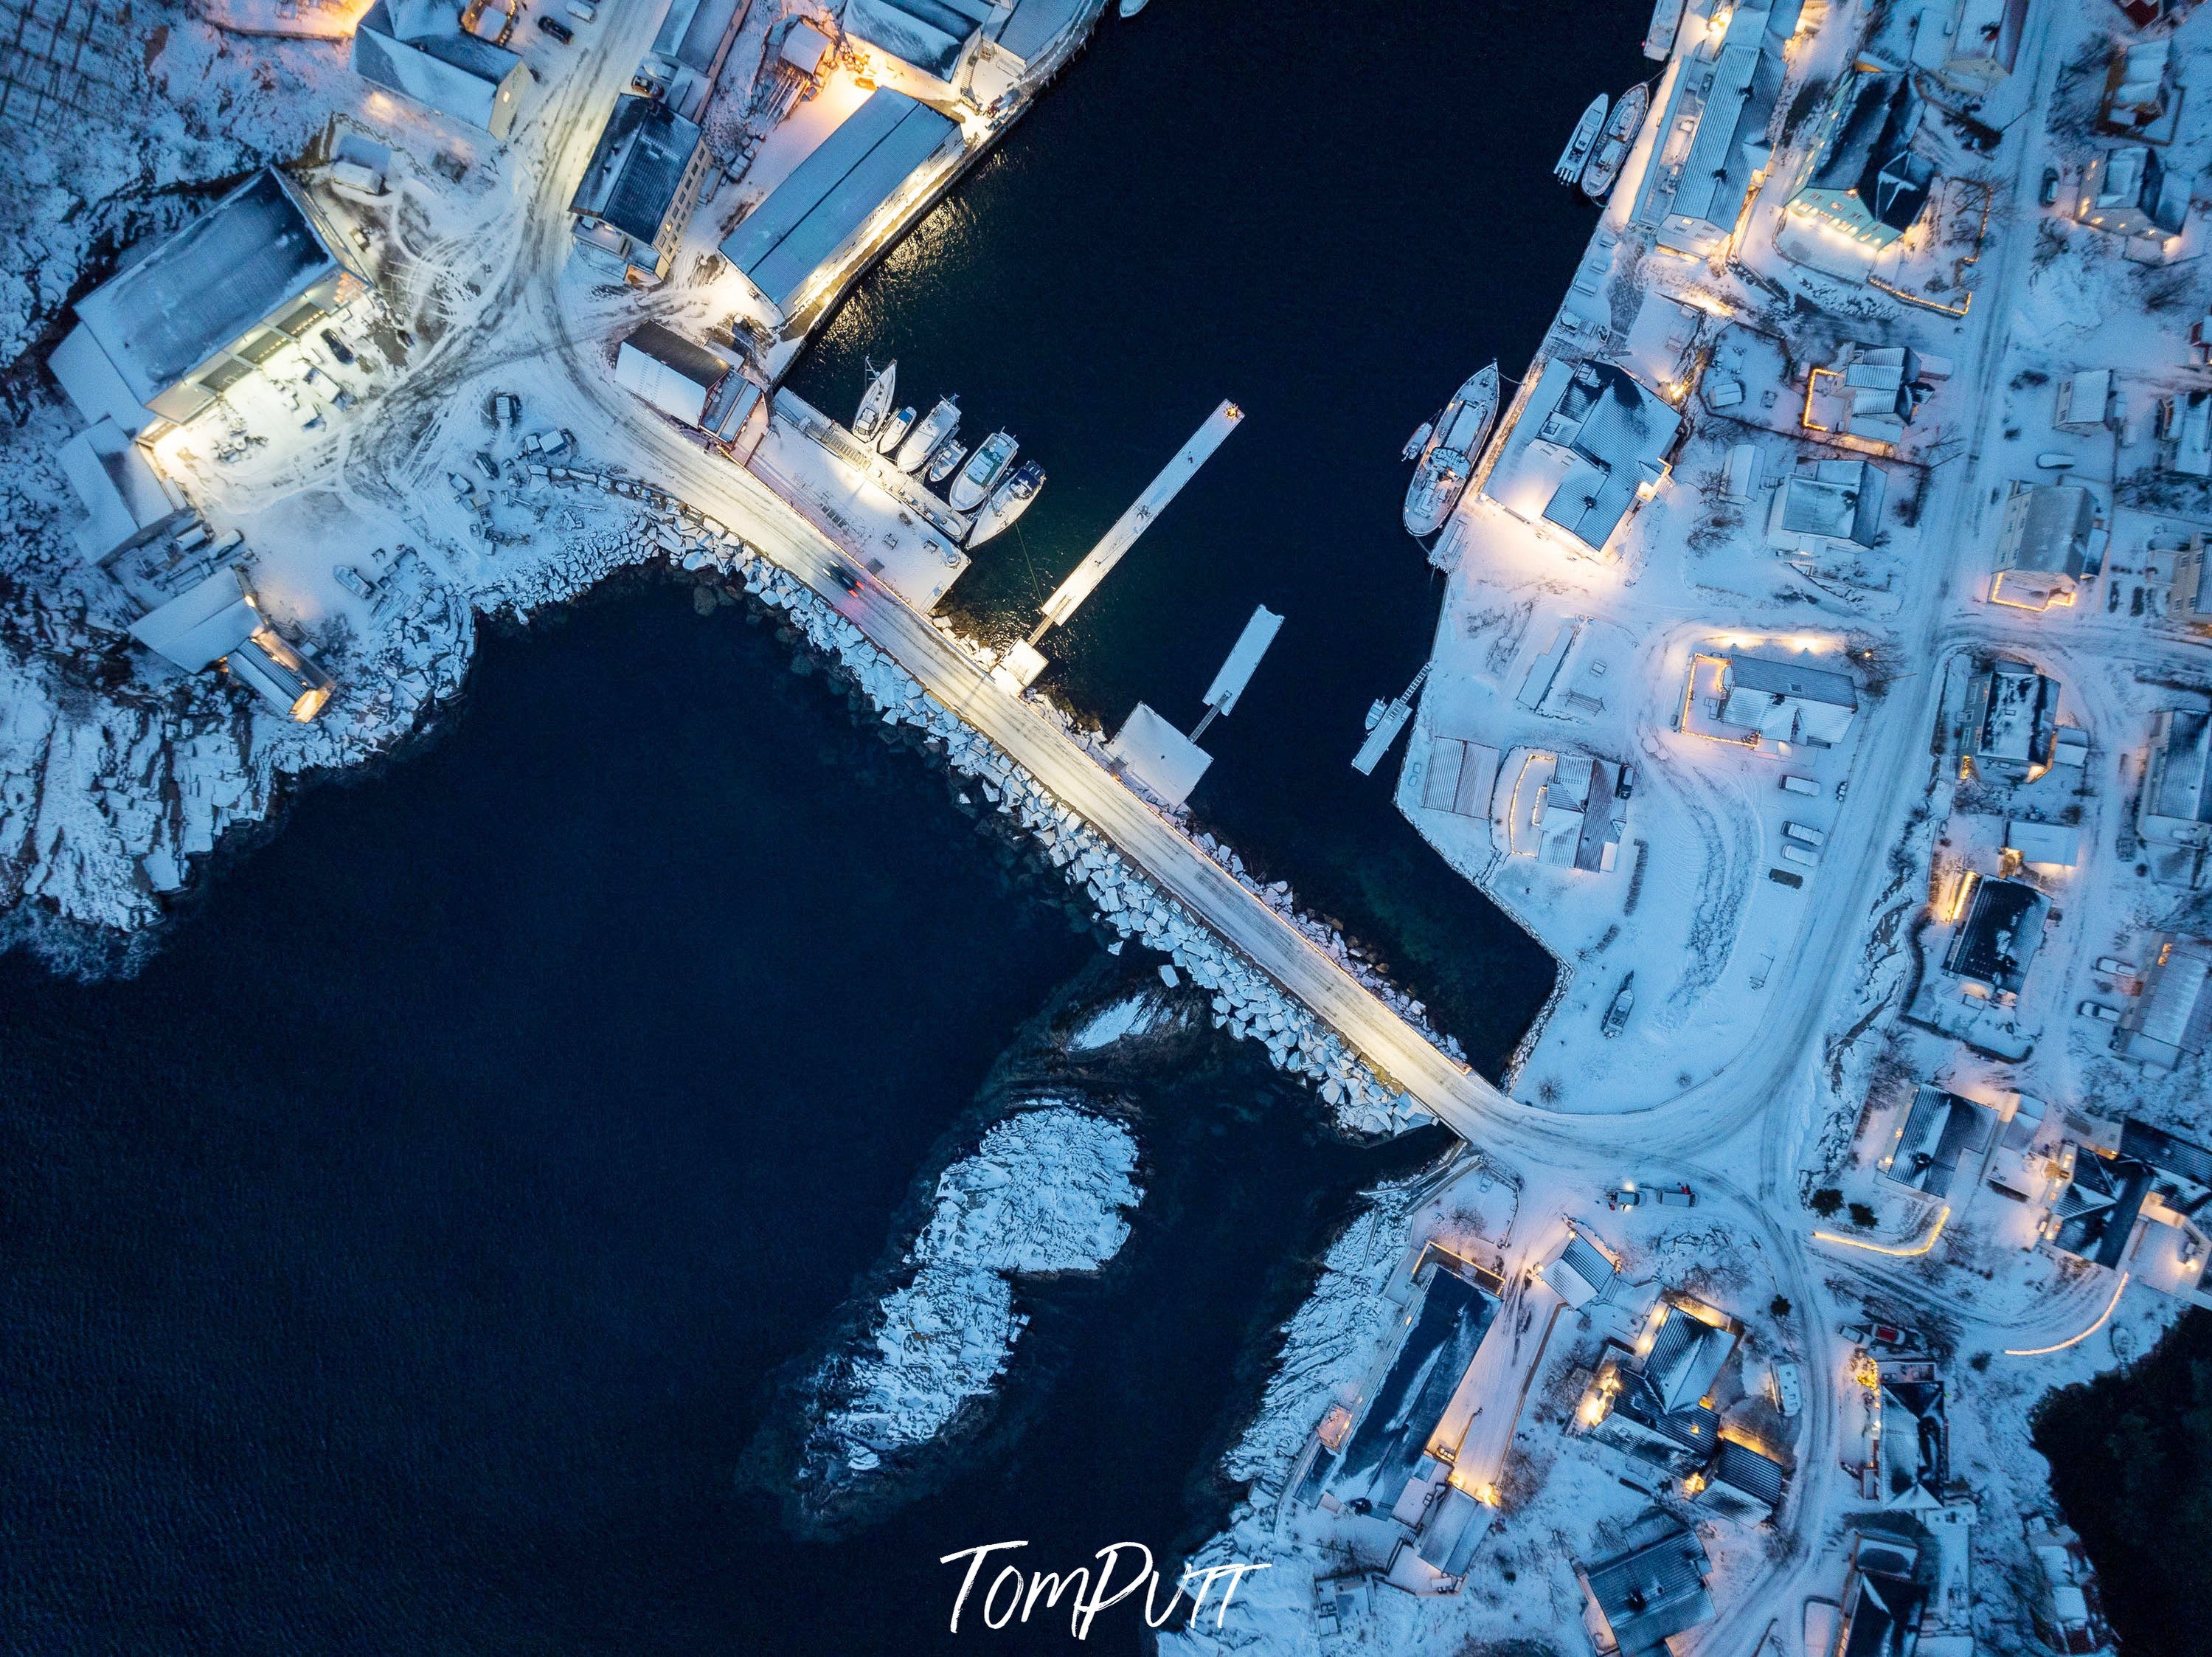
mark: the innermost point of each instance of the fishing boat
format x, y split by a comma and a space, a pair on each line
981, 473
876, 401
1414, 443
1449, 461
931, 429
1008, 501
894, 429
948, 456
1613, 149
1576, 155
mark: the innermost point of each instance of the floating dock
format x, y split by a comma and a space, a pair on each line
1384, 731
1236, 671
1138, 518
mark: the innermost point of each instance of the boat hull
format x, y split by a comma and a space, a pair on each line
1612, 152
1008, 501
1576, 155
1449, 461
876, 403
895, 429
948, 456
989, 463
939, 426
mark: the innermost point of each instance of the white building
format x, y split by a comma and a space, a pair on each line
125, 500
422, 50
686, 381
1786, 701
640, 186
2050, 543
1712, 142
1827, 503
1591, 442
215, 623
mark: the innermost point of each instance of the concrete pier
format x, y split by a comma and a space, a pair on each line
1139, 518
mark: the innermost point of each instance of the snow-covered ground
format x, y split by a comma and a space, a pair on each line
1044, 1193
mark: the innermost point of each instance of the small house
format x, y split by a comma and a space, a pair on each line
1883, 1598
1941, 1134
422, 50
216, 622
1828, 503
1995, 942
1984, 43
2171, 1019
1741, 1482
2012, 720
1787, 701
2130, 192
1581, 1272
685, 381
2047, 546
1639, 1600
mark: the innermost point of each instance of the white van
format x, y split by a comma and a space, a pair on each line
1801, 785
1811, 837
1797, 854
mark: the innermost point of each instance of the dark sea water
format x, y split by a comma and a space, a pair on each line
404, 1260
1333, 215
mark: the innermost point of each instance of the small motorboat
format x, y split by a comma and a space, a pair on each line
1008, 501
1620, 138
895, 427
1449, 461
1131, 7
933, 428
875, 402
981, 473
948, 456
1414, 443
1576, 156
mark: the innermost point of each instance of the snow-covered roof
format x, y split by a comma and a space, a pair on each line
669, 371
1652, 1593
1997, 941
1882, 1600
1036, 24
1686, 1356
2018, 707
249, 256
279, 674
202, 626
1835, 500
1167, 763
1378, 1459
1591, 437
1939, 1132
1865, 152
2173, 1157
2047, 528
1581, 1273
2179, 778
124, 495
1730, 144
928, 34
696, 33
1753, 1472
828, 197
637, 167
418, 49
2053, 844
1788, 701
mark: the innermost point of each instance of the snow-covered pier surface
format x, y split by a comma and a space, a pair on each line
1044, 1193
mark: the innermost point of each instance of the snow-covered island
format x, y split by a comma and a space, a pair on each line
1044, 1193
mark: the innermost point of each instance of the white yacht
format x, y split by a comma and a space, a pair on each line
981, 473
1008, 501
876, 402
928, 432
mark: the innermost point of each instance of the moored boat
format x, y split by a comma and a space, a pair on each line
1419, 437
948, 456
1449, 461
895, 427
981, 473
1576, 155
931, 429
1606, 161
1131, 7
876, 402
1008, 501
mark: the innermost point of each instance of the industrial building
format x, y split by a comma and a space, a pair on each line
428, 51
1387, 1448
687, 55
1862, 178
126, 501
162, 341
1592, 441
640, 187
1713, 141
966, 51
827, 203
686, 381
216, 623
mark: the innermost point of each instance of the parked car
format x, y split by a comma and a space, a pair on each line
1880, 1334
486, 465
337, 347
353, 581
559, 30
461, 486
1630, 1195
2049, 194
583, 11
2099, 1011
2113, 966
